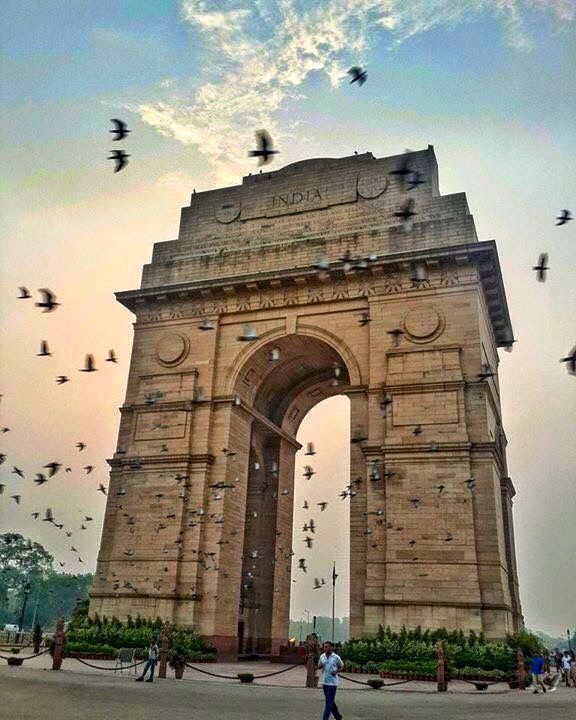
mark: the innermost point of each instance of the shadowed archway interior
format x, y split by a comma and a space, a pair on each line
281, 382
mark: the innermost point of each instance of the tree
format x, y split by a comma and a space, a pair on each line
21, 561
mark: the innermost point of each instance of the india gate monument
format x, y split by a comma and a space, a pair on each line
299, 284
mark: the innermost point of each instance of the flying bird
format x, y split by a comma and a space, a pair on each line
310, 449
417, 430
322, 505
308, 472
80, 446
396, 333
88, 364
101, 489
61, 379
564, 217
120, 129
53, 467
24, 293
570, 361
111, 357
542, 267
302, 564
249, 334
415, 180
48, 300
406, 210
120, 158
40, 479
17, 471
206, 325
88, 469
44, 350
16, 499
264, 151
48, 516
322, 264
364, 319
274, 355
358, 75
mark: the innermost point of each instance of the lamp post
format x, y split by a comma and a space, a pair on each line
334, 576
24, 601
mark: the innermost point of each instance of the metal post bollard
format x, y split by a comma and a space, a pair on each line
441, 668
163, 650
58, 645
311, 660
520, 669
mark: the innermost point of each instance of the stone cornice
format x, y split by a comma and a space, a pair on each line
482, 254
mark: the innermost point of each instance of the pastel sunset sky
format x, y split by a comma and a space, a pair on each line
490, 83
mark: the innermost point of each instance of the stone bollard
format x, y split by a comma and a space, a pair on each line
441, 668
546, 661
520, 669
163, 650
311, 660
58, 645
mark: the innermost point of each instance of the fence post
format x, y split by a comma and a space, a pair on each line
163, 650
520, 669
441, 668
311, 660
58, 645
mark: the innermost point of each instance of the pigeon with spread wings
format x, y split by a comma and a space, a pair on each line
264, 150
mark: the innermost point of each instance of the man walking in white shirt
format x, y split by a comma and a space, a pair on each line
330, 664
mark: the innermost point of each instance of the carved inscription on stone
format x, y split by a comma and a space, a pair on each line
429, 408
169, 425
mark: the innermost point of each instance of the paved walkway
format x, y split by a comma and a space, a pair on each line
295, 677
35, 694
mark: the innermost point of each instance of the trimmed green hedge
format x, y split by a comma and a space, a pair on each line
411, 651
104, 635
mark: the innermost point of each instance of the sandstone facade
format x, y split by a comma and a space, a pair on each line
202, 537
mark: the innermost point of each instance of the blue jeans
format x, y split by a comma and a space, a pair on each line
330, 708
150, 664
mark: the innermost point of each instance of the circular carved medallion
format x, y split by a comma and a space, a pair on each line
172, 349
423, 324
227, 211
371, 185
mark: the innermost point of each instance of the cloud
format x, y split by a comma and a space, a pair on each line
259, 53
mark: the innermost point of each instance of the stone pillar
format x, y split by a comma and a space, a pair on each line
520, 669
311, 660
58, 645
163, 651
441, 668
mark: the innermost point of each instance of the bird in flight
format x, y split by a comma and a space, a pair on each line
120, 129
542, 267
61, 379
564, 217
101, 489
249, 334
358, 75
120, 158
310, 449
308, 472
570, 361
264, 151
88, 364
80, 446
111, 357
24, 294
415, 180
396, 334
322, 505
206, 325
406, 211
44, 350
16, 499
88, 469
48, 300
17, 471
53, 468
364, 319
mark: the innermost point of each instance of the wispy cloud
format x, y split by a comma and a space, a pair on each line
260, 53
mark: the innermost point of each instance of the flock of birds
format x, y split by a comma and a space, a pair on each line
409, 179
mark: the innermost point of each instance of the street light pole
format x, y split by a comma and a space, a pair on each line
334, 576
26, 592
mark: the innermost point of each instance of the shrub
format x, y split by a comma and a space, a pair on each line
245, 677
472, 673
426, 667
375, 683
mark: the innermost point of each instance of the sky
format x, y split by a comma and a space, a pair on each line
488, 82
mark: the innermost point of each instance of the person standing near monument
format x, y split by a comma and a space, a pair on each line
330, 664
537, 670
151, 662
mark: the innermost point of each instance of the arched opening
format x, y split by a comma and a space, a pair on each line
325, 527
278, 384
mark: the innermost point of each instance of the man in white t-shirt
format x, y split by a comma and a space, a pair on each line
330, 664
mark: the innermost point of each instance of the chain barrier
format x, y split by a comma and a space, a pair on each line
28, 657
99, 667
235, 677
362, 682
480, 682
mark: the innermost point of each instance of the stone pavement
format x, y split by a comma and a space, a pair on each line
37, 694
